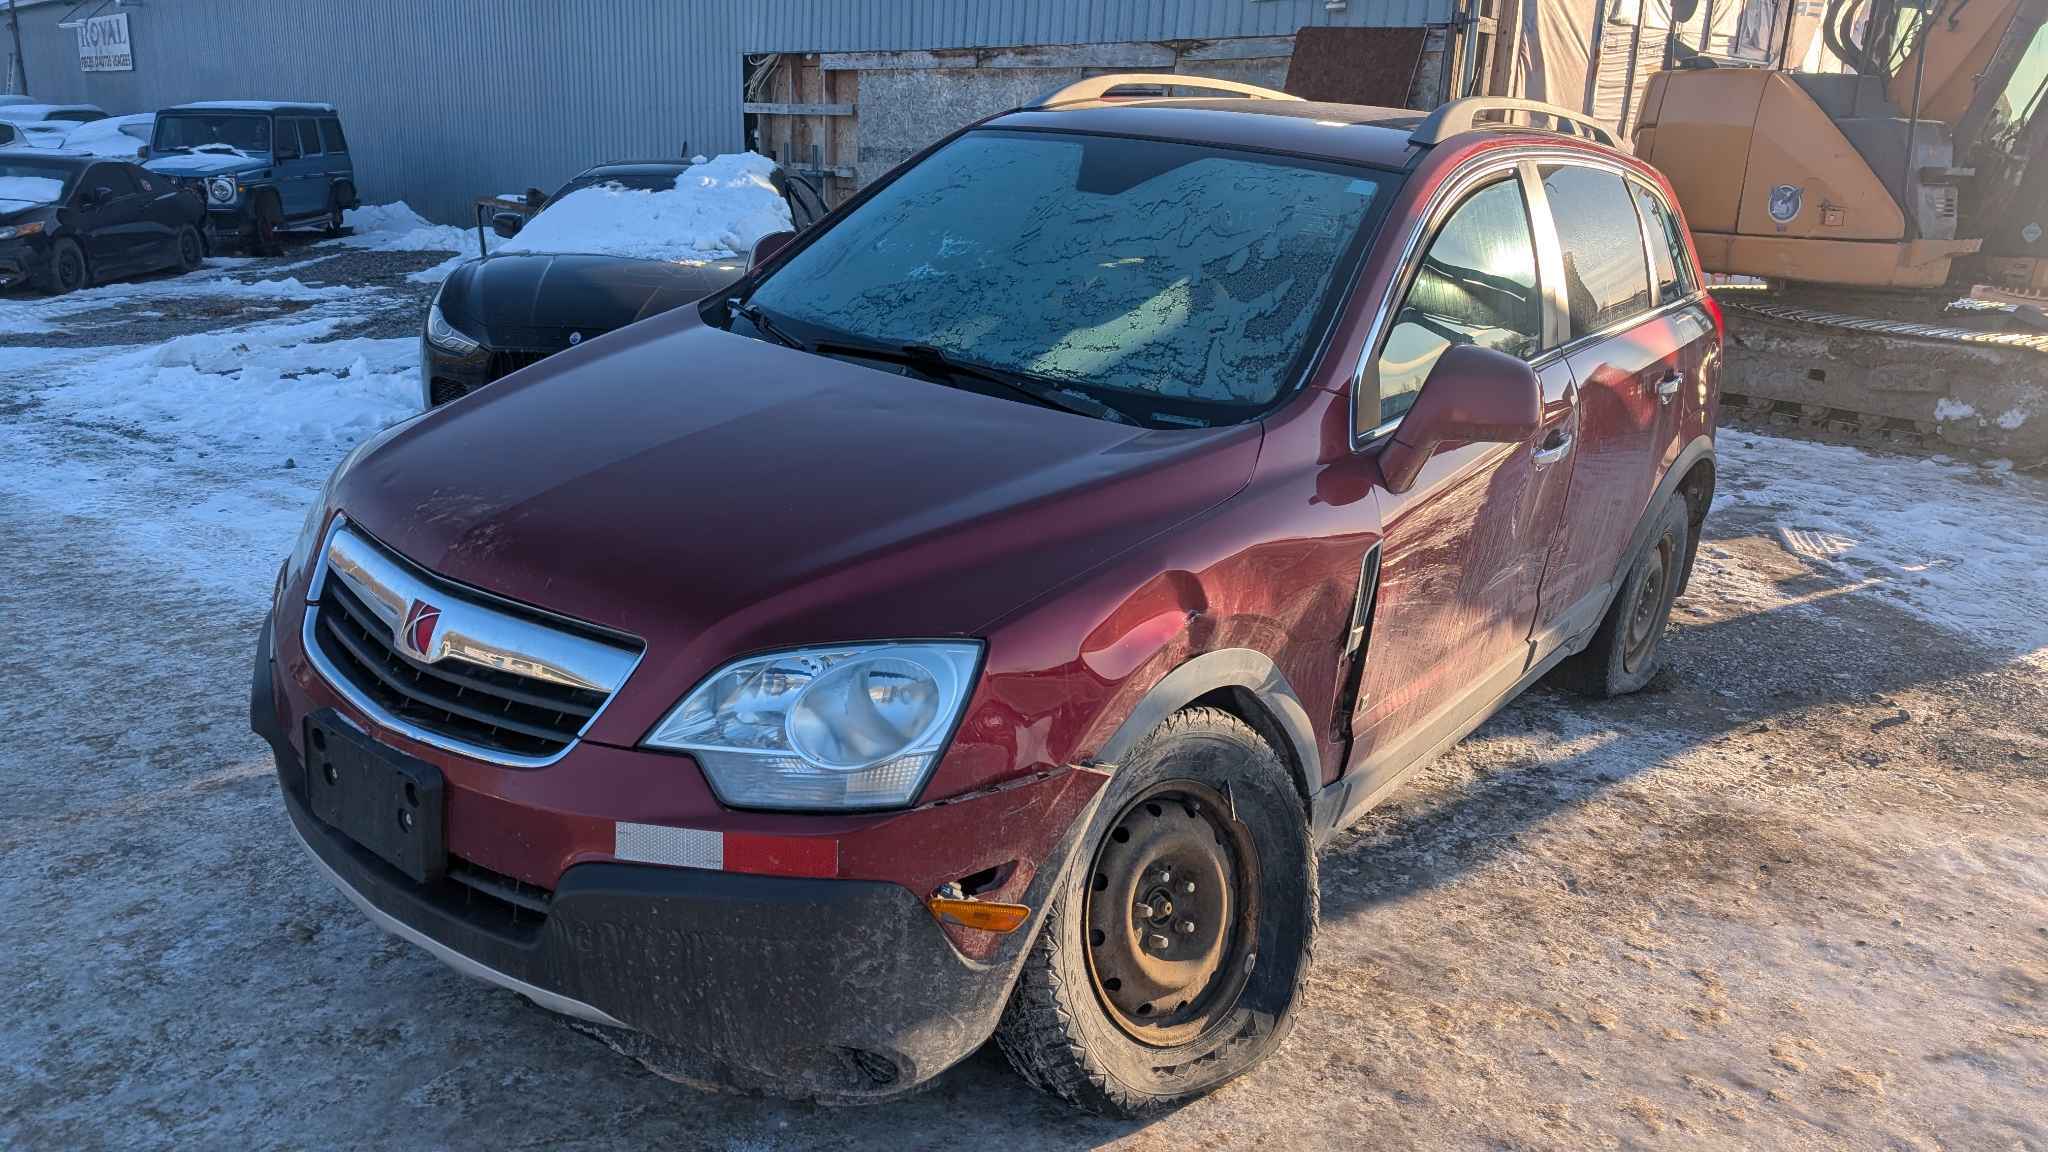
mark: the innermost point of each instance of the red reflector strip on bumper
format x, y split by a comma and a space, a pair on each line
726, 851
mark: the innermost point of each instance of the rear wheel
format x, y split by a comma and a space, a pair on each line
1628, 649
337, 222
65, 271
191, 249
1178, 943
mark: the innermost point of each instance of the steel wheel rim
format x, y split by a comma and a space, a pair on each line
1171, 912
70, 269
1643, 622
188, 248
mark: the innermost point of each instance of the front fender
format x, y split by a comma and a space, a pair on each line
1225, 668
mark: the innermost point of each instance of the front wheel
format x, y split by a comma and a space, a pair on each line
191, 249
1178, 943
268, 240
66, 271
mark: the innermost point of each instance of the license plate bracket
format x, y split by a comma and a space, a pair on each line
379, 797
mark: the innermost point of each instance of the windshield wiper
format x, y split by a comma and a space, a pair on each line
753, 314
934, 361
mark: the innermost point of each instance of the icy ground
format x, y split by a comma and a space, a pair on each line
1794, 896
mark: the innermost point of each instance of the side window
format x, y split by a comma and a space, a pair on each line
309, 137
111, 176
1476, 285
1605, 279
330, 135
1667, 246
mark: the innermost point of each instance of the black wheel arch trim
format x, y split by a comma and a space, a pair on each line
1242, 668
1700, 448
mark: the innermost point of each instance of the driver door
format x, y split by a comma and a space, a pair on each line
1462, 555
110, 221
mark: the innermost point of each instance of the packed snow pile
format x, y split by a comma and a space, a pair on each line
717, 209
397, 228
260, 393
118, 137
17, 192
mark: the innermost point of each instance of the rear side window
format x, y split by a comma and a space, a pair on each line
309, 137
1476, 285
1667, 247
1605, 278
330, 135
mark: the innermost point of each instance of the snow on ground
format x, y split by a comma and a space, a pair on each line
1963, 546
37, 315
397, 228
717, 209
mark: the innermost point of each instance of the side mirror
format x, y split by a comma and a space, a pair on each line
535, 198
94, 197
766, 247
507, 224
1473, 395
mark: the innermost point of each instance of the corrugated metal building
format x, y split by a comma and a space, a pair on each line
448, 100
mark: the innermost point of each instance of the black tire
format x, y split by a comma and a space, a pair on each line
191, 248
336, 223
267, 239
66, 270
1628, 649
1065, 1028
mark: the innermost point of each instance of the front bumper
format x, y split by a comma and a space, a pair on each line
19, 260
834, 988
229, 226
445, 376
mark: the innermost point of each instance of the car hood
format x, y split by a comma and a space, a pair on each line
715, 494
22, 211
519, 299
206, 164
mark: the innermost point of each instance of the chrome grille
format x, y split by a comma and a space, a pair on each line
452, 668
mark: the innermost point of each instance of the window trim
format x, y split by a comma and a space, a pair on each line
1681, 256
1451, 191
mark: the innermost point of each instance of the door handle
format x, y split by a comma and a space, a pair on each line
1554, 449
1669, 386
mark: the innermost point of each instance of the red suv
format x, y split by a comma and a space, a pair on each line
971, 623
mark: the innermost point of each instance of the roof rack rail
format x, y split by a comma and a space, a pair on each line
1096, 87
1463, 115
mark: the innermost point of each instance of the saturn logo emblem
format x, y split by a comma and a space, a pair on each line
575, 338
421, 621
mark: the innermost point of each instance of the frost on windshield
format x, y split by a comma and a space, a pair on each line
1159, 268
18, 191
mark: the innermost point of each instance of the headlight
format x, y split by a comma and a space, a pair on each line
854, 726
29, 229
221, 190
445, 336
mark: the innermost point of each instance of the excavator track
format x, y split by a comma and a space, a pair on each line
1883, 371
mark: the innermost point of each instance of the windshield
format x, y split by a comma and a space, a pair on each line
245, 134
1190, 274
25, 182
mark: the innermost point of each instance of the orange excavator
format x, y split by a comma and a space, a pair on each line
1861, 203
